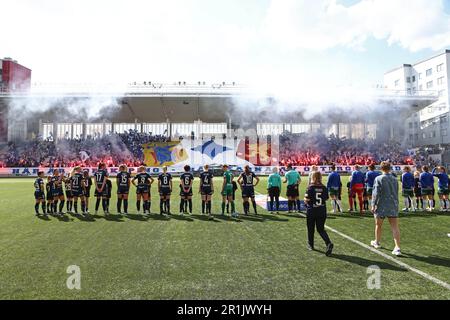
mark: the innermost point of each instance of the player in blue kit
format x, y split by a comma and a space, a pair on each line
334, 184
357, 180
371, 174
123, 188
101, 188
427, 183
316, 211
143, 185
443, 191
186, 181
39, 193
408, 185
248, 180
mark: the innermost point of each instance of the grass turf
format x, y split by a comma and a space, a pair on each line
255, 257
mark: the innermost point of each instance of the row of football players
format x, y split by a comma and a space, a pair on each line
78, 186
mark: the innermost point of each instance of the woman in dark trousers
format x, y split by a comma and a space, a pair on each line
316, 211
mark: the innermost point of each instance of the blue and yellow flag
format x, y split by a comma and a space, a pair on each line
160, 154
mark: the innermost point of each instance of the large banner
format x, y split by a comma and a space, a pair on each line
160, 154
259, 170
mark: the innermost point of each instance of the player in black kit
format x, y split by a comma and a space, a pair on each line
165, 190
144, 182
206, 190
58, 192
101, 188
247, 182
123, 188
88, 186
316, 211
39, 194
186, 180
78, 189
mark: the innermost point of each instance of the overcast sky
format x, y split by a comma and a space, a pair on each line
301, 42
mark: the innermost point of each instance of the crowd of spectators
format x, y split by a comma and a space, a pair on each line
113, 149
317, 149
118, 148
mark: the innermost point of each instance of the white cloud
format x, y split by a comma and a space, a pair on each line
191, 40
323, 24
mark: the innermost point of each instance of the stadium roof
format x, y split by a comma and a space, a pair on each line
221, 102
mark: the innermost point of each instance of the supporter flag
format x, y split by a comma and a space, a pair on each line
261, 152
159, 154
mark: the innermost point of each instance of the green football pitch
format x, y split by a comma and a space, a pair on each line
190, 257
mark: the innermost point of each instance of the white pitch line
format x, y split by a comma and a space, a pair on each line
388, 257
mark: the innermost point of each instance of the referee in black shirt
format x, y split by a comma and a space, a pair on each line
316, 211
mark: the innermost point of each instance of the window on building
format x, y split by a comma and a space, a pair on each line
419, 76
440, 81
429, 84
64, 131
416, 137
408, 79
429, 72
444, 132
433, 134
410, 137
420, 87
440, 67
47, 131
410, 125
122, 127
77, 131
94, 130
424, 135
155, 128
397, 83
413, 78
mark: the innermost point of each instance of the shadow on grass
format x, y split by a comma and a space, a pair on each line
345, 215
204, 218
364, 262
157, 216
274, 217
433, 260
43, 218
64, 218
292, 215
137, 217
258, 218
114, 218
227, 217
183, 217
83, 218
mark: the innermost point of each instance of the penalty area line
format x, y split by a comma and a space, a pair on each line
388, 257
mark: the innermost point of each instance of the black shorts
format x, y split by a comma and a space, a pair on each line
185, 193
104, 192
248, 192
164, 191
123, 190
69, 194
77, 193
292, 191
39, 195
87, 193
58, 192
206, 191
49, 196
274, 192
417, 192
142, 190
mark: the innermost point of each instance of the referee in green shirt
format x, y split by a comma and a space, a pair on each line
274, 189
292, 178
